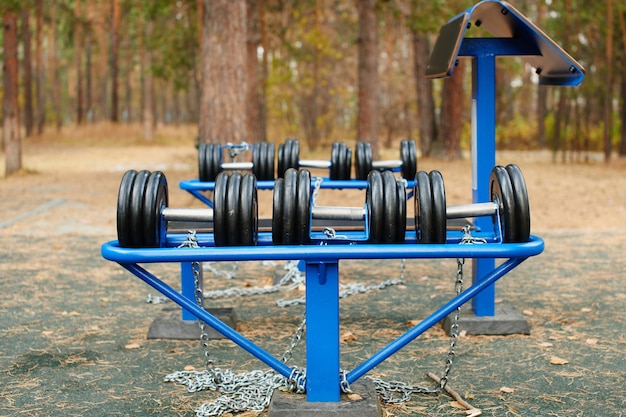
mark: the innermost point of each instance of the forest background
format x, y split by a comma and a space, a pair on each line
318, 70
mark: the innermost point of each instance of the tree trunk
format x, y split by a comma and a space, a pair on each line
263, 74
427, 125
223, 103
542, 97
367, 118
622, 142
78, 56
40, 81
10, 113
148, 88
253, 8
608, 98
115, 49
28, 73
452, 105
54, 72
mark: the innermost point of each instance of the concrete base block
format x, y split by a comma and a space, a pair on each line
287, 404
507, 320
170, 325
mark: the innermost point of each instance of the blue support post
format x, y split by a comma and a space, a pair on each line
322, 328
483, 160
187, 286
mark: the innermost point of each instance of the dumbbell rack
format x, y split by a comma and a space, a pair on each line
513, 35
322, 290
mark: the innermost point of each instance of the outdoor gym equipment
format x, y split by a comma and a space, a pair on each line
143, 212
339, 165
510, 34
210, 160
509, 209
384, 212
407, 164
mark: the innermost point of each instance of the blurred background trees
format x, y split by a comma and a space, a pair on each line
318, 70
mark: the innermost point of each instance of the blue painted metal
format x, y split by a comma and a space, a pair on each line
208, 318
433, 319
322, 331
187, 287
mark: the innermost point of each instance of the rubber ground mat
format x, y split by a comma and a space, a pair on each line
73, 331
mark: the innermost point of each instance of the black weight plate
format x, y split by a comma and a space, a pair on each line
343, 161
401, 212
290, 234
202, 162
408, 155
364, 159
214, 160
303, 208
347, 164
502, 193
358, 161
123, 208
155, 200
248, 211
334, 162
277, 211
136, 209
423, 200
220, 230
269, 161
233, 234
522, 206
294, 158
390, 203
439, 207
375, 207
284, 150
258, 169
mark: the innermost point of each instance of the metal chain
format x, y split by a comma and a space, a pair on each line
236, 149
192, 242
240, 392
399, 392
221, 272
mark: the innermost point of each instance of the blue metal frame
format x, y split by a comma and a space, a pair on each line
322, 292
514, 35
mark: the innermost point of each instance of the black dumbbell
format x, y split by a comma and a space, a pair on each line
293, 210
407, 163
210, 161
339, 165
508, 207
143, 213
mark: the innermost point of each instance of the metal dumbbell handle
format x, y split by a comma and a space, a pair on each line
236, 165
387, 164
187, 214
314, 163
337, 213
471, 210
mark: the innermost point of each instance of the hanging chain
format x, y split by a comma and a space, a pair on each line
399, 392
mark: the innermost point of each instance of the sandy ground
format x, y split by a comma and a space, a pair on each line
79, 182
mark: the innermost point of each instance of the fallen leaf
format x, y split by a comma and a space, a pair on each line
586, 310
555, 360
132, 346
507, 390
47, 332
189, 368
347, 337
463, 333
412, 322
591, 341
527, 312
456, 404
546, 344
474, 412
354, 397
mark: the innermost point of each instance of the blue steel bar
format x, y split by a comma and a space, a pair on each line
483, 160
322, 328
197, 185
322, 253
187, 286
433, 319
208, 318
